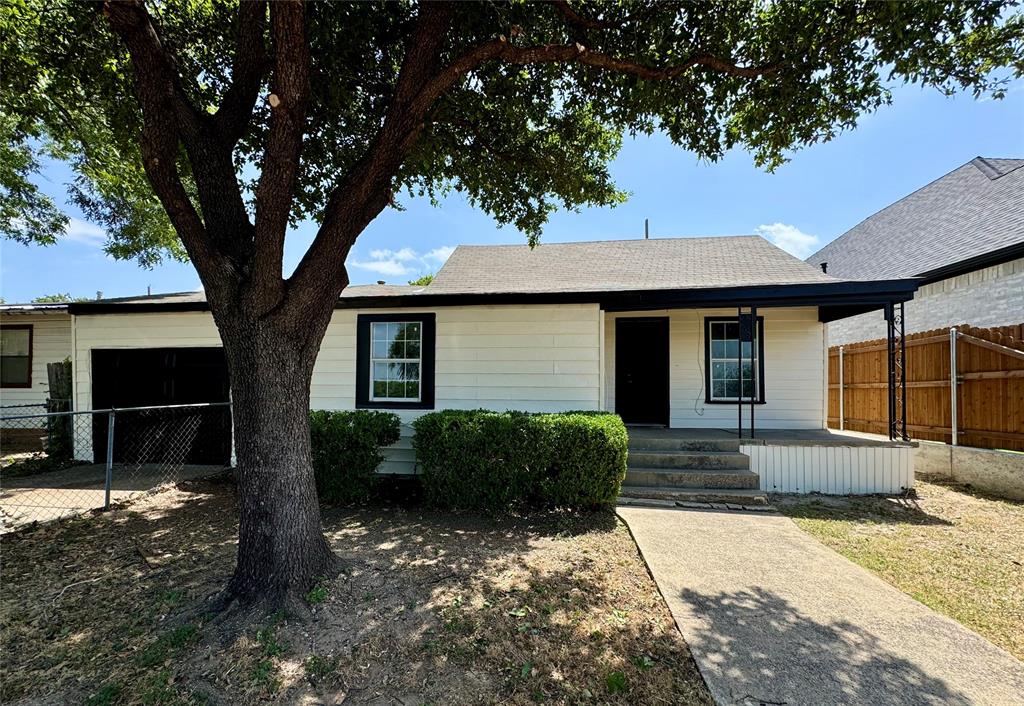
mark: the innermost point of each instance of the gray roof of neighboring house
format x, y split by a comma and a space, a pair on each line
199, 297
622, 265
974, 210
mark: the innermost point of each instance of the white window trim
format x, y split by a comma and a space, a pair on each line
754, 362
419, 361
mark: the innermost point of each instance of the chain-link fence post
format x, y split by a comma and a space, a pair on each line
110, 460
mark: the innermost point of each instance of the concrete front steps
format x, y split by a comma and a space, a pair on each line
665, 469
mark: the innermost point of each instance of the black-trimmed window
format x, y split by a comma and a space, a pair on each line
16, 356
395, 361
725, 365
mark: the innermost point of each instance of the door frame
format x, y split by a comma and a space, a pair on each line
664, 416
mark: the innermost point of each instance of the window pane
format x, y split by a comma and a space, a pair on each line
412, 331
732, 331
412, 371
380, 349
412, 389
380, 371
717, 349
748, 388
379, 332
748, 370
380, 388
412, 349
718, 388
732, 348
396, 349
396, 389
14, 341
14, 371
393, 329
746, 349
732, 388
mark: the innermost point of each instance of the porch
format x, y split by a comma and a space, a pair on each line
717, 465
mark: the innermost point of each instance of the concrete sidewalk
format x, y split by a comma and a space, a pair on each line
775, 617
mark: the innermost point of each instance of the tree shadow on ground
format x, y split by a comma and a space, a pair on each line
453, 608
756, 647
860, 508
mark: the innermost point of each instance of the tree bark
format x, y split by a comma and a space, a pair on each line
282, 551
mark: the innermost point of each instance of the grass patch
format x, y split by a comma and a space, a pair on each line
317, 594
958, 552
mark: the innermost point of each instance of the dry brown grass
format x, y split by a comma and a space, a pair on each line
433, 609
958, 552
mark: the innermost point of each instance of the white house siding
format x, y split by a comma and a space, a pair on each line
992, 296
832, 470
51, 343
536, 358
794, 369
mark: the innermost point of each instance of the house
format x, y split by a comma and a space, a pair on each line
649, 329
31, 335
962, 235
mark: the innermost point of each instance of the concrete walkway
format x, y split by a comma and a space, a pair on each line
775, 617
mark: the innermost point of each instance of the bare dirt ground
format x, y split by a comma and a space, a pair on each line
432, 609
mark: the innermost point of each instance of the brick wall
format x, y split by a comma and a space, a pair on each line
993, 296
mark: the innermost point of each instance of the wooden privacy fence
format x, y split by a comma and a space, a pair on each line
985, 408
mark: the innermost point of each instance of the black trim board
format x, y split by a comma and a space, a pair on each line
867, 295
971, 264
427, 346
708, 320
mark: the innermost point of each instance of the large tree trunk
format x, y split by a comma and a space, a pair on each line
281, 547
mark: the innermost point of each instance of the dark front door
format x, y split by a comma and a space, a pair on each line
641, 370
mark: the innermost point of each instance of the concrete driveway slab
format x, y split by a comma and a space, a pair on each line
775, 617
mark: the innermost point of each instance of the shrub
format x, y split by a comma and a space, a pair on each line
346, 451
501, 461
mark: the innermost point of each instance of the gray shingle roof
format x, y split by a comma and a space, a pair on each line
620, 265
356, 290
975, 209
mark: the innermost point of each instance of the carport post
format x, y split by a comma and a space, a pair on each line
110, 460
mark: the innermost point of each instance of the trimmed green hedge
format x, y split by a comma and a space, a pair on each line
502, 461
346, 451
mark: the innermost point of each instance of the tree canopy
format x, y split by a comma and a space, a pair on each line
526, 103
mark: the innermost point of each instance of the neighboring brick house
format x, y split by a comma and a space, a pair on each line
963, 234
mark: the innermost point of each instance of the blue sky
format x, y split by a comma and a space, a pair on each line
822, 192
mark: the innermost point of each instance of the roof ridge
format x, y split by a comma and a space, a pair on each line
992, 171
612, 240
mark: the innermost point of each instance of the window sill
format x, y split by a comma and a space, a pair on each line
394, 405
732, 403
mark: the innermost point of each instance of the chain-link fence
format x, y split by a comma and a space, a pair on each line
55, 462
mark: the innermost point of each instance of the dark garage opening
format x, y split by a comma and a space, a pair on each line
145, 377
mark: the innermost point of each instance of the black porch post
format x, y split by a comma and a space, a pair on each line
755, 382
739, 363
890, 349
903, 373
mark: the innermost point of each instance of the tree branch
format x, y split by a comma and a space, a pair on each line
247, 71
366, 190
161, 101
170, 119
288, 103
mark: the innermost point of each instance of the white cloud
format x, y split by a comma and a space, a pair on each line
403, 255
440, 255
384, 267
82, 232
789, 238
404, 262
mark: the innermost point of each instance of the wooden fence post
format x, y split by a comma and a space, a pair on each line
842, 391
953, 382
